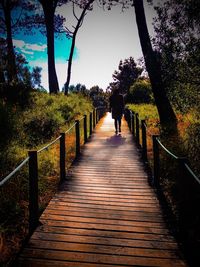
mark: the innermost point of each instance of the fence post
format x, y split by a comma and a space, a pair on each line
133, 124
144, 141
97, 115
85, 128
156, 162
33, 191
62, 157
90, 123
129, 119
137, 133
77, 125
130, 122
94, 118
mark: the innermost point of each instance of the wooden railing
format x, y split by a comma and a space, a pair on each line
167, 168
32, 160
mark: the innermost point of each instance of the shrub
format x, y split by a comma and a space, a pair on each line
140, 92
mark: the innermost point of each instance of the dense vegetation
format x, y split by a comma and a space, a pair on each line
31, 127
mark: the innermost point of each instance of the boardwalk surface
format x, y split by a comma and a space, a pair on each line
106, 214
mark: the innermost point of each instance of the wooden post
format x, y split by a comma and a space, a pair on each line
130, 122
144, 141
97, 115
94, 119
137, 133
33, 191
62, 157
133, 124
129, 119
77, 125
156, 162
85, 128
90, 123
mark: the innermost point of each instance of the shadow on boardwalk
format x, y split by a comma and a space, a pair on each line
106, 213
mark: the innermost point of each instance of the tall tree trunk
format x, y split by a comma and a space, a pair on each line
12, 69
49, 21
78, 25
70, 62
166, 113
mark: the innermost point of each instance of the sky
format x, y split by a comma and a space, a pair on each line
105, 38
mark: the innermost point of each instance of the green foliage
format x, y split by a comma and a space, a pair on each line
127, 73
145, 111
98, 96
141, 92
177, 43
49, 113
45, 117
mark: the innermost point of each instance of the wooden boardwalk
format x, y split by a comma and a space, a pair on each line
106, 213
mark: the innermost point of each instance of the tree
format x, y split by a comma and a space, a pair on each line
79, 88
13, 14
98, 96
86, 6
49, 8
6, 7
127, 74
177, 42
166, 113
141, 91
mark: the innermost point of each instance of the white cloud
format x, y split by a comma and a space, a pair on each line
27, 52
28, 48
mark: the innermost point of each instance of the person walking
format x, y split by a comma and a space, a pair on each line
117, 108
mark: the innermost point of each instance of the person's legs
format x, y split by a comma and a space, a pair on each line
116, 125
119, 121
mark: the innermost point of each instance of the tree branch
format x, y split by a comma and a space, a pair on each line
74, 11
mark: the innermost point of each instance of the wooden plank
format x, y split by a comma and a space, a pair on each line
85, 239
105, 207
30, 262
136, 216
103, 249
90, 219
100, 258
121, 203
105, 233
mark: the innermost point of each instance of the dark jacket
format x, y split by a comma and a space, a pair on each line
116, 105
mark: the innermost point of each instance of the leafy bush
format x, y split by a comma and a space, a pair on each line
141, 92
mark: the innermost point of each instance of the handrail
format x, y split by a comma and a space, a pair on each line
192, 173
81, 118
2, 182
167, 150
68, 130
47, 146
